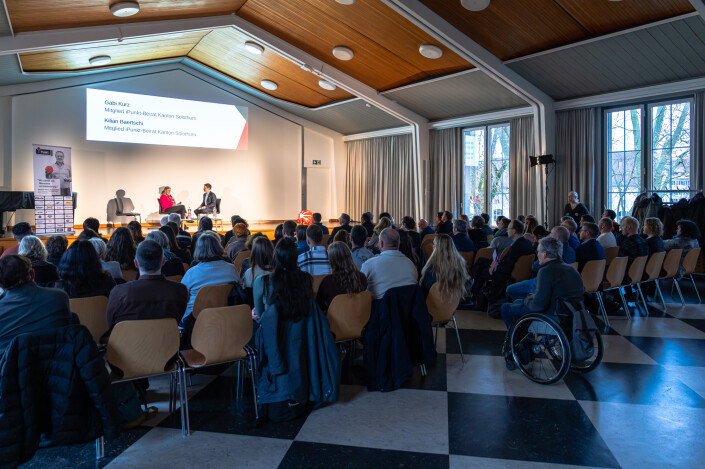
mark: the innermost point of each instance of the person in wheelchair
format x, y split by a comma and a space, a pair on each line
555, 280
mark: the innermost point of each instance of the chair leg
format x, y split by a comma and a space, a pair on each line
423, 369
624, 303
603, 311
183, 397
435, 341
643, 300
457, 334
660, 294
696, 289
100, 448
678, 287
254, 384
238, 383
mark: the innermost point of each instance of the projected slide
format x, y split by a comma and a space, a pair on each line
136, 118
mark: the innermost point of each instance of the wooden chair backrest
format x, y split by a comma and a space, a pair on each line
175, 278
484, 253
186, 266
220, 334
317, 279
592, 274
441, 309
143, 347
504, 253
671, 263
348, 315
427, 247
522, 268
469, 256
611, 253
129, 275
615, 272
211, 296
489, 238
324, 241
240, 258
574, 265
91, 313
428, 236
653, 265
636, 270
691, 260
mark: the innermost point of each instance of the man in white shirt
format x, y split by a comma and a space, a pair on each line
391, 268
606, 237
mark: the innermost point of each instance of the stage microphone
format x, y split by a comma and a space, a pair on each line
541, 159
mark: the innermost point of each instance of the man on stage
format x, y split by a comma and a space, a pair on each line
62, 172
208, 205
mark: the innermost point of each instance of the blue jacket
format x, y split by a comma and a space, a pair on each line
301, 247
555, 280
463, 242
323, 227
296, 361
574, 242
425, 231
590, 250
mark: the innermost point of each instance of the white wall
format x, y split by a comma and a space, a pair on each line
261, 183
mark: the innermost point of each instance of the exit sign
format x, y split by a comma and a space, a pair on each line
317, 162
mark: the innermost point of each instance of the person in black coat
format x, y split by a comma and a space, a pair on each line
653, 229
589, 249
477, 234
344, 221
574, 208
209, 201
366, 222
446, 225
462, 242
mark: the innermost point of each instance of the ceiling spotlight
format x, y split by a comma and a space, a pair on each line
345, 2
123, 9
475, 5
269, 85
326, 85
343, 53
99, 60
368, 105
430, 51
254, 48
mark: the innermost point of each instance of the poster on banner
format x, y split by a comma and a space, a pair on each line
53, 204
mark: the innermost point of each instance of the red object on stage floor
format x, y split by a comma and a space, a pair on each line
305, 217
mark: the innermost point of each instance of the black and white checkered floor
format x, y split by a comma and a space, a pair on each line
644, 406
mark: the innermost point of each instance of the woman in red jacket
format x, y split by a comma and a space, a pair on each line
166, 201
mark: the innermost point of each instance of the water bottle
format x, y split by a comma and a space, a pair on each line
189, 212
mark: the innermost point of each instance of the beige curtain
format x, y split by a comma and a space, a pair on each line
447, 171
382, 175
527, 185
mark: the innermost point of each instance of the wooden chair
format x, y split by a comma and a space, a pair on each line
145, 348
469, 256
690, 261
592, 274
428, 236
324, 241
484, 253
186, 266
522, 268
317, 279
504, 253
442, 311
221, 335
211, 296
175, 278
240, 258
611, 253
129, 275
615, 276
636, 272
91, 313
348, 315
652, 272
670, 268
574, 265
489, 238
427, 247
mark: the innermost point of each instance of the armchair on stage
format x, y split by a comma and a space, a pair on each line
121, 210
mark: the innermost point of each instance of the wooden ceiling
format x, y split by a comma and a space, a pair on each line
514, 28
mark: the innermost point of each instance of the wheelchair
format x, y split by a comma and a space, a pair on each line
539, 346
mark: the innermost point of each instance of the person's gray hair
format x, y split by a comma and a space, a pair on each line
100, 247
552, 247
32, 248
460, 225
164, 220
345, 218
174, 217
208, 246
159, 237
562, 232
390, 238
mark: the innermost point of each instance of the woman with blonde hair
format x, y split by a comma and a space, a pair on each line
529, 226
653, 229
345, 278
384, 223
447, 268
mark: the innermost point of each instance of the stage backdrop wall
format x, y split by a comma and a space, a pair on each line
263, 182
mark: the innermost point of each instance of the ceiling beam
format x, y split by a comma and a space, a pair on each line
699, 6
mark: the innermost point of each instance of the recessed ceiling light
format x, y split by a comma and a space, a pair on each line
123, 9
269, 85
368, 105
475, 5
430, 51
99, 60
345, 2
343, 53
326, 85
254, 48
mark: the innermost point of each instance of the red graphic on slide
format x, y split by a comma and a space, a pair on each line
242, 144
48, 172
305, 217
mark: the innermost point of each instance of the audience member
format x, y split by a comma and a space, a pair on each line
574, 209
81, 272
234, 220
301, 245
315, 261
174, 247
237, 242
164, 220
486, 227
111, 267
87, 234
344, 221
211, 269
366, 223
19, 231
289, 229
446, 226
56, 246
260, 261
408, 224
498, 224
360, 253
653, 229
172, 263
562, 234
633, 245
606, 237
342, 236
590, 249
122, 248
175, 220
539, 233
278, 233
425, 228
384, 223
406, 248
25, 307
92, 224
465, 218
439, 220
317, 220
612, 215
572, 226
344, 279
388, 215
477, 233
686, 238
555, 280
529, 227
32, 248
136, 231
391, 268
586, 219
205, 224
461, 240
501, 240
151, 296
446, 267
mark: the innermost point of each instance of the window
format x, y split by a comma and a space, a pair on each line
664, 137
487, 152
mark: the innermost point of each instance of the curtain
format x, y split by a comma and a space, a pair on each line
577, 167
382, 175
527, 185
447, 171
698, 158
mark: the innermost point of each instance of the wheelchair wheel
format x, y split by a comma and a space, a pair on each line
540, 348
592, 362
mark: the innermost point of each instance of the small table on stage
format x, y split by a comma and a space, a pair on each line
185, 222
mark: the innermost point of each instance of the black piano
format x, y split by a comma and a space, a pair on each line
19, 200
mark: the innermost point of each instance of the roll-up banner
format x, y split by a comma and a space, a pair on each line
53, 205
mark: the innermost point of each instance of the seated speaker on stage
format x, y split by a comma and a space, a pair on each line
209, 201
166, 201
